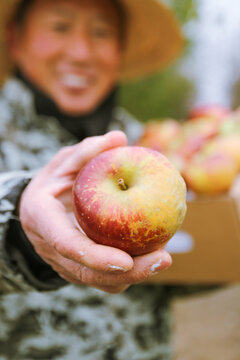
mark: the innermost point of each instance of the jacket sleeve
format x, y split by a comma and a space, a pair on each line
21, 269
26, 142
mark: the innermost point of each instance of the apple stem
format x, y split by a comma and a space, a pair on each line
122, 185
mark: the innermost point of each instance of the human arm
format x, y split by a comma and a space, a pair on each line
46, 216
21, 267
19, 263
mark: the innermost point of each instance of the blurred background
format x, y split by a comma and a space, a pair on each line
207, 72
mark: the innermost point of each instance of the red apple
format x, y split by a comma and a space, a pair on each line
177, 160
131, 198
193, 137
229, 144
210, 111
211, 173
231, 125
158, 134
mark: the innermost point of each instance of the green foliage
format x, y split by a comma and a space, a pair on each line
168, 93
185, 10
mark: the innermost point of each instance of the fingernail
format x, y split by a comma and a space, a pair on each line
116, 268
155, 268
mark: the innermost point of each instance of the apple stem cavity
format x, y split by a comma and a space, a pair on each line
121, 183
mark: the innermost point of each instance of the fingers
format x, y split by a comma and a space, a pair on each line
51, 223
58, 240
71, 159
144, 268
73, 278
115, 289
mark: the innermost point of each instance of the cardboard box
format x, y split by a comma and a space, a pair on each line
207, 248
207, 326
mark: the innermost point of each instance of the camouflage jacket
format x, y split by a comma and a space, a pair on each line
27, 142
68, 322
72, 322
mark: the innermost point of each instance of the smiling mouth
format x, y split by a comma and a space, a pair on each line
75, 81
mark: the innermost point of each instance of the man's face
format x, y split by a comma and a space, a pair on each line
71, 50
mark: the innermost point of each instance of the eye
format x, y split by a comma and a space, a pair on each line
60, 27
103, 31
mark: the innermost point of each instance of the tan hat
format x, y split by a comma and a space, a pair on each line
153, 39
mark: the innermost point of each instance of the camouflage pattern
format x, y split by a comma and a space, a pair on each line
73, 322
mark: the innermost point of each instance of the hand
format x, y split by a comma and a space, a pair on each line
47, 219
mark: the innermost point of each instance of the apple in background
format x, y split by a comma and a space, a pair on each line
231, 125
131, 198
211, 173
189, 146
193, 137
158, 134
215, 112
229, 144
177, 160
208, 129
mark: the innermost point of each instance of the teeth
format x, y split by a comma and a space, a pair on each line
75, 81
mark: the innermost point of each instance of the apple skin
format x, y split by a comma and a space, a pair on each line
192, 138
138, 219
229, 144
231, 125
210, 173
216, 112
158, 134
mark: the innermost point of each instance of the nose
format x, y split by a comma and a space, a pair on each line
79, 47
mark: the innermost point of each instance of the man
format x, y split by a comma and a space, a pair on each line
70, 55
66, 58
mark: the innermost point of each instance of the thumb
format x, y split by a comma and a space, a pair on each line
87, 149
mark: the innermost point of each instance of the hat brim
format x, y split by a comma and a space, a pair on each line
153, 39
